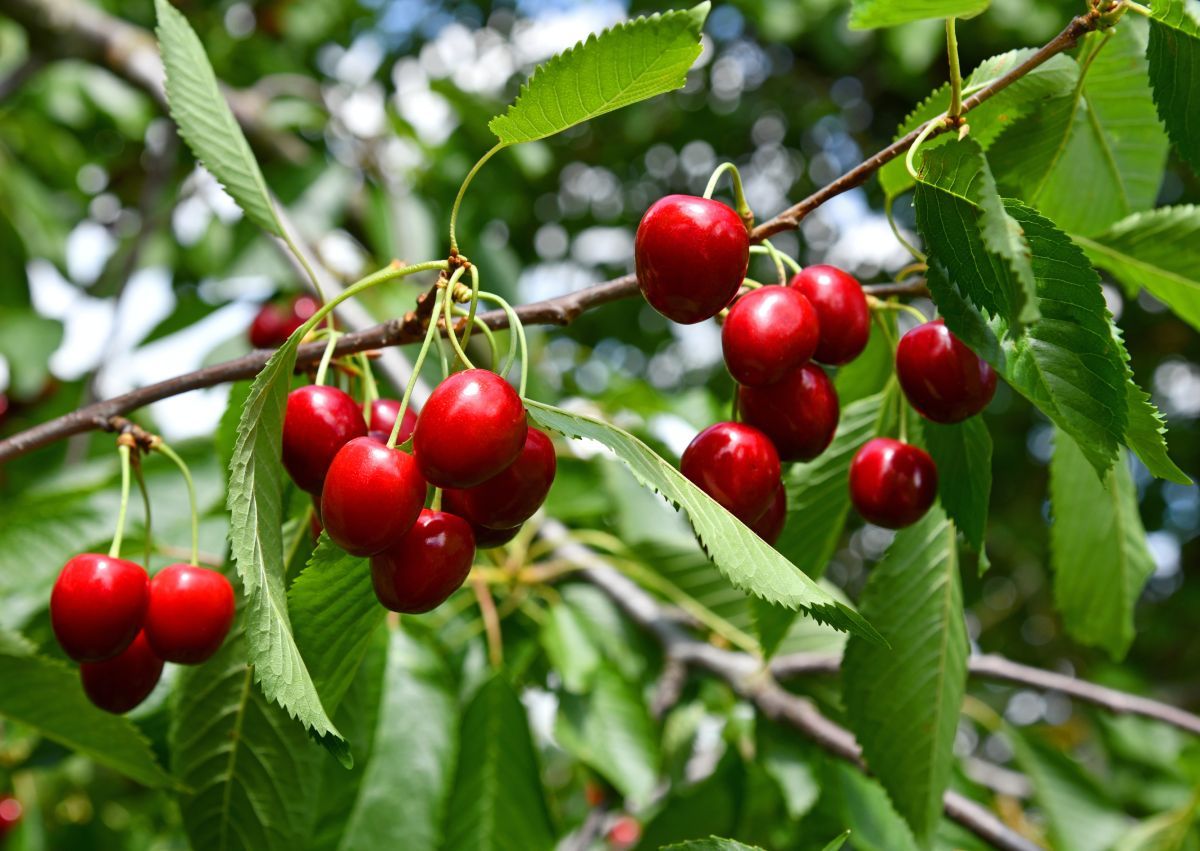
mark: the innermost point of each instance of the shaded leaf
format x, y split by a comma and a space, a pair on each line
707, 808
963, 454
569, 648
1146, 435
870, 14
860, 802
27, 341
1173, 57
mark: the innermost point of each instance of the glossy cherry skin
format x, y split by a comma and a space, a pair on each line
98, 605
191, 610
943, 379
372, 496
799, 413
10, 814
691, 256
118, 684
736, 465
276, 322
770, 524
768, 333
510, 497
842, 309
892, 484
383, 417
488, 539
319, 421
471, 428
425, 566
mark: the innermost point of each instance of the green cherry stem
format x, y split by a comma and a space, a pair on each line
931, 125
876, 304
912, 249
436, 503
955, 110
114, 551
370, 388
135, 462
1138, 8
326, 357
772, 251
159, 446
448, 308
777, 258
514, 322
739, 196
474, 304
462, 191
485, 331
417, 364
290, 242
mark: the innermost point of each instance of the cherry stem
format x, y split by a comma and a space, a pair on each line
135, 462
160, 446
955, 110
485, 331
114, 551
739, 196
290, 242
436, 503
370, 388
474, 304
448, 308
903, 416
514, 322
326, 357
912, 249
778, 260
1138, 7
876, 304
462, 190
931, 126
768, 248
883, 325
416, 369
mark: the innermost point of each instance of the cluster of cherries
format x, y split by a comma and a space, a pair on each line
121, 625
470, 440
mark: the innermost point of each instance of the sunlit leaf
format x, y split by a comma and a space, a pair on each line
869, 14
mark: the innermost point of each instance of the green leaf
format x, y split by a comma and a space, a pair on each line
963, 454
713, 843
837, 842
27, 341
870, 372
630, 62
496, 802
870, 14
790, 762
1096, 155
206, 121
569, 648
707, 808
1097, 547
904, 702
743, 557
1146, 435
1173, 57
860, 802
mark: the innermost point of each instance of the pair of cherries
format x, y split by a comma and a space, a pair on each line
121, 626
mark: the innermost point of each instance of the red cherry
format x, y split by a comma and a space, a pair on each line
892, 484
691, 256
276, 322
510, 497
624, 833
372, 496
736, 465
97, 606
799, 413
842, 309
770, 524
319, 421
472, 427
383, 417
768, 332
10, 814
943, 379
425, 566
118, 684
191, 609
489, 539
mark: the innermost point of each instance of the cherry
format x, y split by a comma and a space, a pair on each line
118, 684
276, 322
10, 814
489, 539
191, 609
625, 833
768, 332
770, 523
471, 428
799, 413
736, 465
510, 497
383, 417
372, 496
426, 565
892, 484
97, 606
943, 379
691, 256
842, 309
319, 421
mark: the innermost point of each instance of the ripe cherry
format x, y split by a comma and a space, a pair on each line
799, 413
625, 833
10, 814
426, 565
770, 524
471, 428
892, 484
510, 497
118, 684
736, 465
768, 332
842, 309
98, 605
372, 496
489, 539
691, 256
383, 417
275, 322
191, 609
943, 379
319, 421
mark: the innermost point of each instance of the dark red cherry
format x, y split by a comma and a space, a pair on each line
383, 417
691, 256
10, 814
488, 539
319, 421
191, 609
372, 496
118, 684
98, 605
770, 524
892, 484
275, 322
736, 465
799, 413
471, 428
510, 497
842, 308
768, 332
943, 379
426, 565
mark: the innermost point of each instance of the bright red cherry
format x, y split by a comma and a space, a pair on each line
770, 524
736, 465
275, 322
842, 308
768, 333
691, 256
10, 814
892, 484
489, 539
798, 413
372, 496
625, 833
943, 379
510, 497
191, 609
98, 605
118, 684
471, 428
383, 417
319, 421
425, 566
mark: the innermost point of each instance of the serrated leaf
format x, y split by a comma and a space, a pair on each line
859, 801
743, 557
1146, 435
1173, 58
904, 702
963, 454
630, 62
870, 14
205, 120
